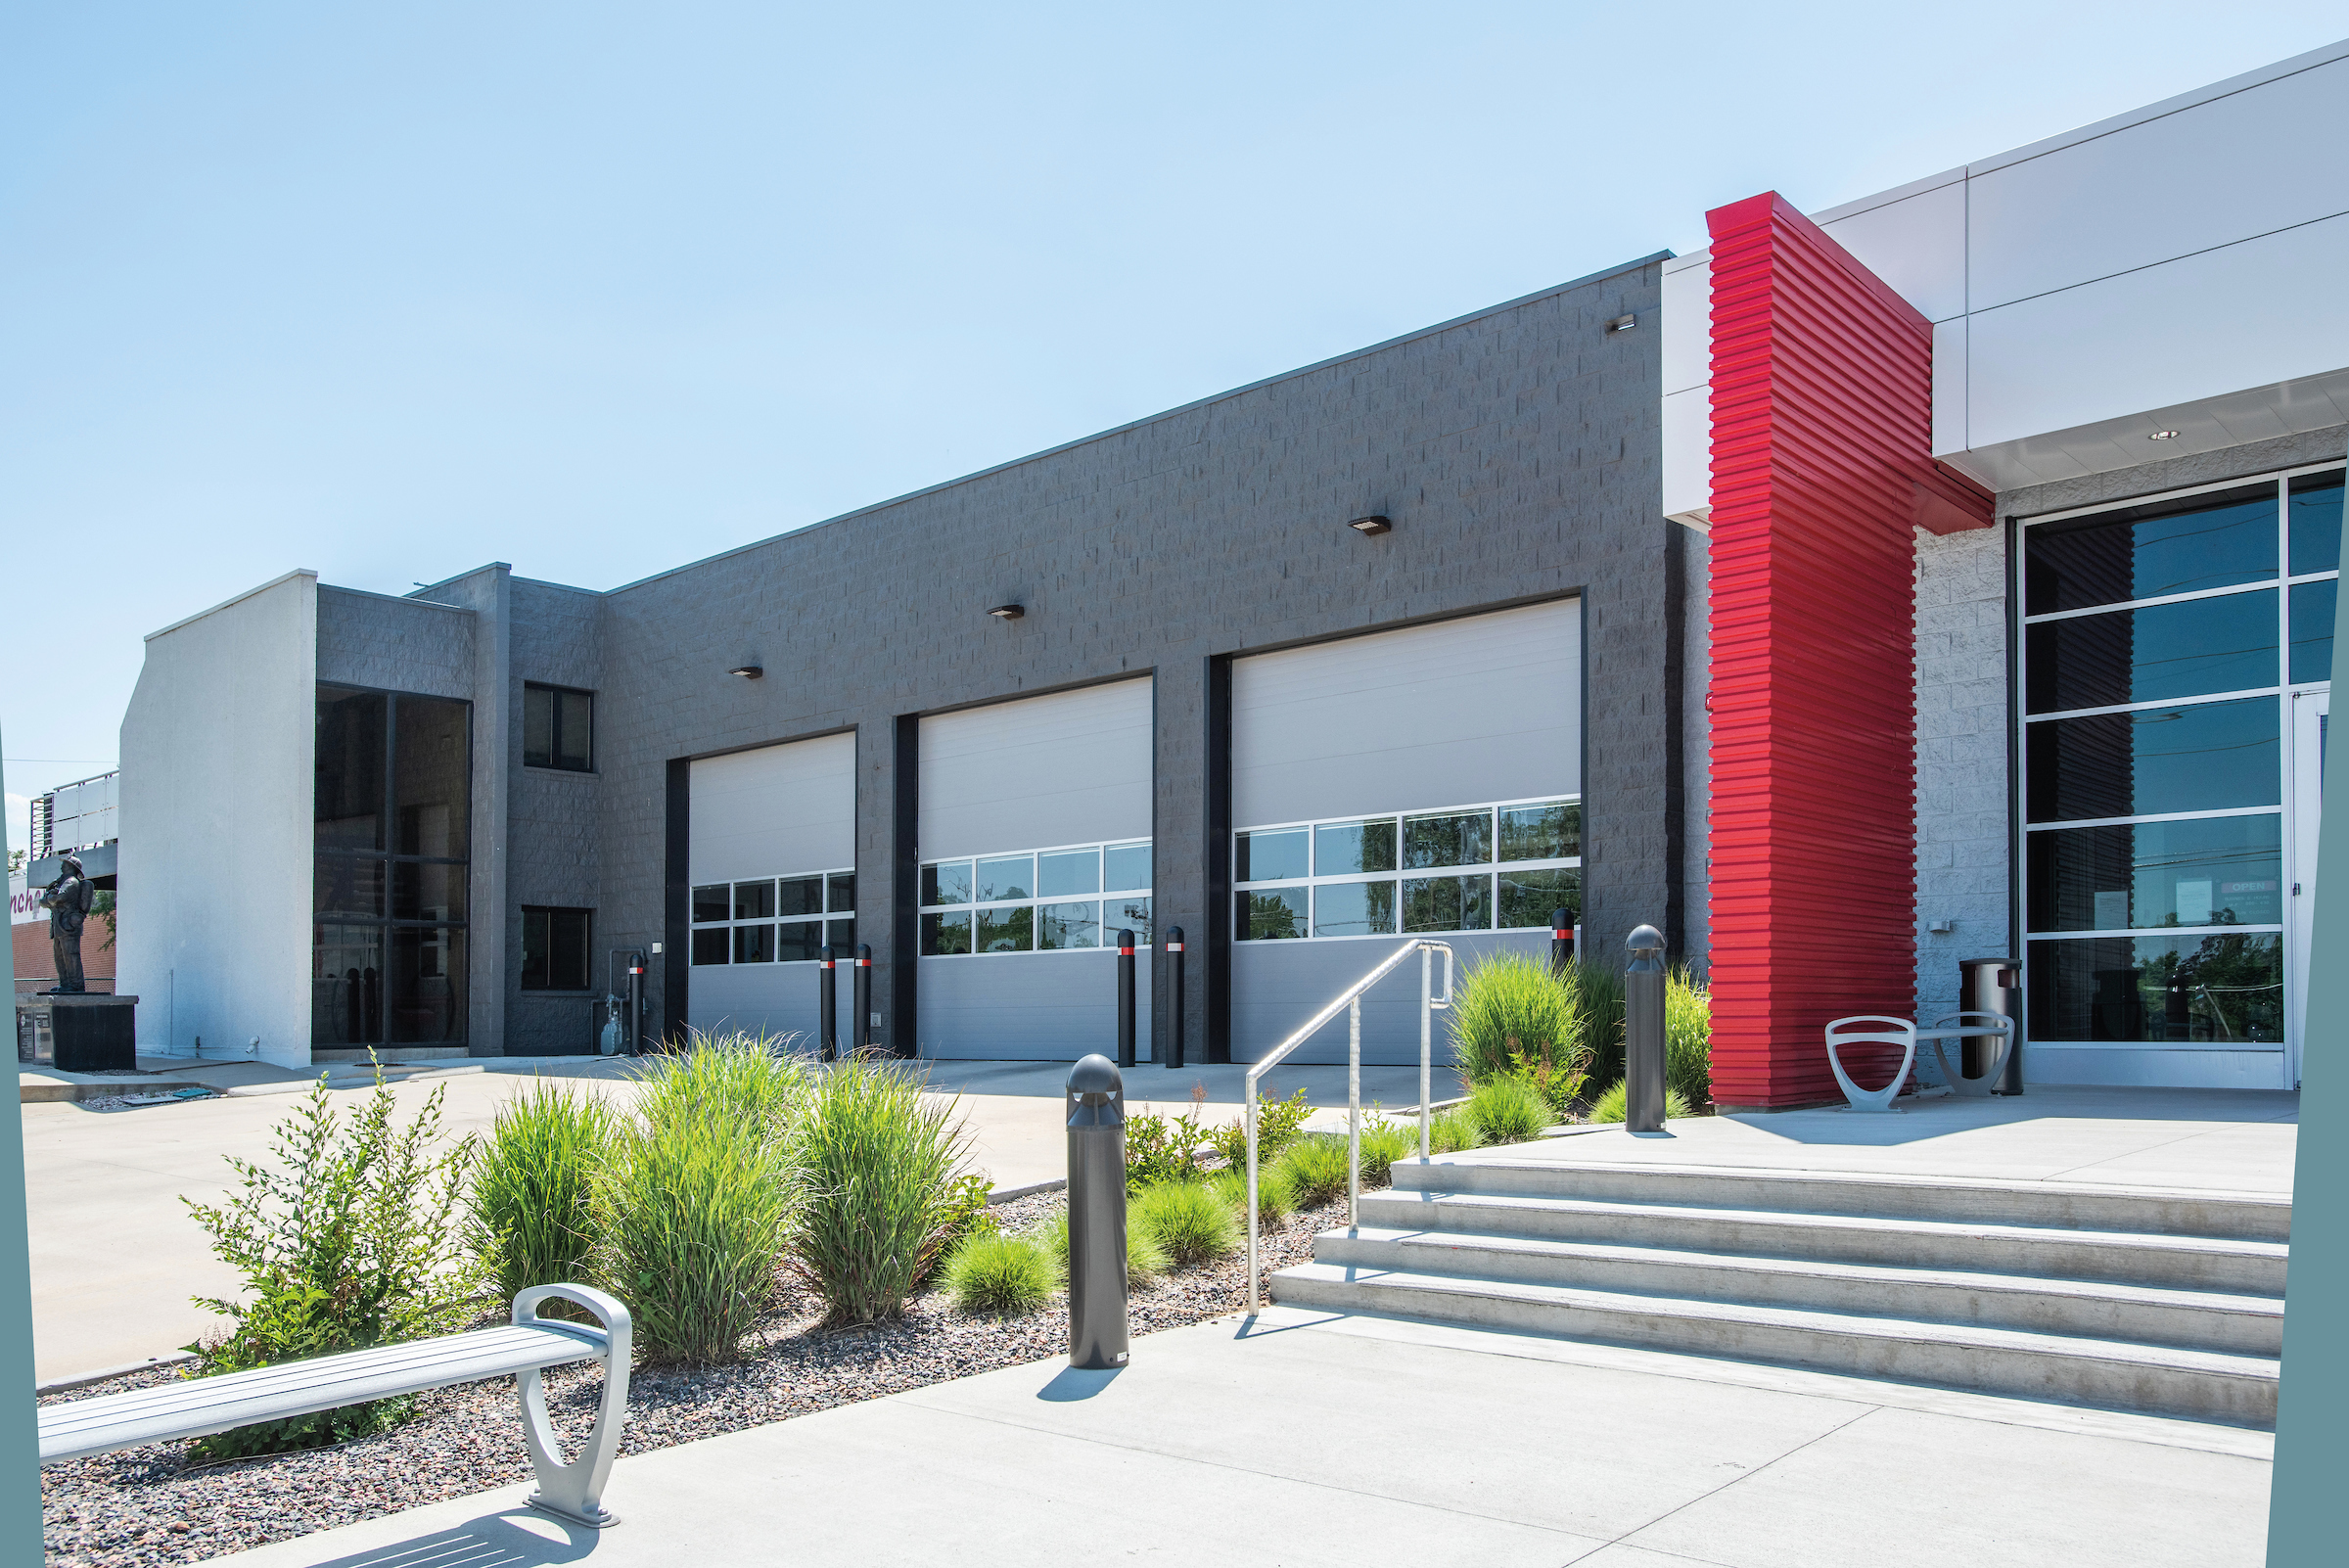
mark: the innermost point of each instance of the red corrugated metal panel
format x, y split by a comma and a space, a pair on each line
1822, 465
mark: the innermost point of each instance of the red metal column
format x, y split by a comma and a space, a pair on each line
1823, 466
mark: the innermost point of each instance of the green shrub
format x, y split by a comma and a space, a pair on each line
1160, 1148
353, 1244
1274, 1201
1277, 1126
1316, 1169
1383, 1143
739, 1077
992, 1272
1610, 1107
1189, 1224
1688, 1036
1145, 1260
962, 1215
1450, 1130
876, 1159
1599, 1005
531, 1224
1509, 1005
1508, 1109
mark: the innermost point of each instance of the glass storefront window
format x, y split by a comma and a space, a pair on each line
2206, 991
2150, 551
2205, 758
2205, 871
2226, 643
2313, 605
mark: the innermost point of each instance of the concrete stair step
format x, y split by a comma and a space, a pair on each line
2234, 1323
2238, 1216
2204, 1385
2176, 1262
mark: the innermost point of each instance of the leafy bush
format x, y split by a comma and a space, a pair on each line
1610, 1106
530, 1221
353, 1244
1189, 1224
1277, 1126
692, 1214
1450, 1130
876, 1159
1145, 1260
1316, 1166
1274, 1201
1508, 1109
962, 1215
1383, 1143
992, 1272
1688, 1036
1509, 1005
1599, 1004
1161, 1149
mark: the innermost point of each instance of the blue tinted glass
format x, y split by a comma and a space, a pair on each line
2203, 758
1067, 871
2316, 514
2222, 989
2312, 630
1007, 876
2143, 655
1268, 856
1124, 866
1343, 848
1269, 915
1354, 908
2208, 871
1064, 926
2145, 552
1131, 913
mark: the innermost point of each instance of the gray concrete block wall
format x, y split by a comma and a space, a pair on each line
1516, 451
554, 840
1696, 742
375, 640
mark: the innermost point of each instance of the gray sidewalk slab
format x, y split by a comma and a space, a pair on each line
1299, 1438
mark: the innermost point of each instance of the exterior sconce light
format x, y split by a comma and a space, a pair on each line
1008, 612
1371, 525
748, 672
1622, 324
2164, 436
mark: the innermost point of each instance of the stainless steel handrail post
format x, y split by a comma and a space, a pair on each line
1353, 1111
1427, 959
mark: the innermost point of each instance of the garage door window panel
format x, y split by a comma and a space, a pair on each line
1335, 891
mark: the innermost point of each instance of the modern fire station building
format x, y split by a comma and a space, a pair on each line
1947, 574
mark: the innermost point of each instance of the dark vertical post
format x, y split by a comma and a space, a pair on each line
1174, 1052
827, 1008
904, 935
1215, 957
1124, 998
676, 907
861, 1026
636, 1004
1644, 1032
1561, 941
1096, 1114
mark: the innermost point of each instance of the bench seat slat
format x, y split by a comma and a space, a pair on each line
198, 1406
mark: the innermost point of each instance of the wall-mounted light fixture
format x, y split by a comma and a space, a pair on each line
1008, 612
2164, 436
1372, 524
1623, 324
748, 672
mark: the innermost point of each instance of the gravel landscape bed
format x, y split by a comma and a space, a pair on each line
149, 1505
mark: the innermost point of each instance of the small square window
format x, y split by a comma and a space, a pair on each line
1271, 914
1129, 913
1064, 872
1007, 930
841, 934
1460, 838
1341, 849
798, 941
843, 893
1124, 866
1353, 909
754, 901
555, 947
1065, 926
753, 944
1006, 876
947, 882
1552, 832
716, 945
1448, 903
945, 935
799, 896
1268, 856
713, 903
558, 728
1529, 897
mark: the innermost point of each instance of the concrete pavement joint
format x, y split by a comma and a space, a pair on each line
1625, 1540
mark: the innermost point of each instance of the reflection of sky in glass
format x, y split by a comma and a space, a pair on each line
1269, 856
949, 882
1354, 908
1068, 925
1126, 866
1460, 838
1005, 876
1343, 848
1067, 871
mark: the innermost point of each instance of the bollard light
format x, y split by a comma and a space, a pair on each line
1644, 1032
1097, 1107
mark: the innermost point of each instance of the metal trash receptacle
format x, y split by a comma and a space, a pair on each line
1993, 985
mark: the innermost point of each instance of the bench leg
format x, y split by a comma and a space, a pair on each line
1871, 1099
575, 1491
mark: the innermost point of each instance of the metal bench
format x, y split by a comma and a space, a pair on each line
1879, 1028
526, 1347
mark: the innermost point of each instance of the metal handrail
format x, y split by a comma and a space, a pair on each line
1352, 999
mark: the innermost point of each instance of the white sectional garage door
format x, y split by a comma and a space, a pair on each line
773, 859
1425, 781
1035, 842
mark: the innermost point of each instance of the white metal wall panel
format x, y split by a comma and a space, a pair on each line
1276, 986
1069, 768
769, 813
1485, 708
1029, 1007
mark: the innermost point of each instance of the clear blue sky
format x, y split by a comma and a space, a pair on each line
393, 290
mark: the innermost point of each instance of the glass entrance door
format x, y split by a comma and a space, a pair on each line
2310, 724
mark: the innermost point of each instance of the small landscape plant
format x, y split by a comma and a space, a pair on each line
1274, 1200
1190, 1225
1509, 1007
1162, 1148
1688, 1036
1508, 1109
529, 1205
1145, 1260
1452, 1130
962, 1215
1383, 1143
1315, 1167
1278, 1124
1610, 1105
1004, 1276
876, 1161
350, 1243
1599, 1004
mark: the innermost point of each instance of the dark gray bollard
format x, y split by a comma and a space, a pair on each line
1097, 1336
1124, 998
827, 1009
1644, 1032
1561, 941
1173, 1055
861, 994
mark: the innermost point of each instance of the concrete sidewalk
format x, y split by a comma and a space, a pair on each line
1299, 1437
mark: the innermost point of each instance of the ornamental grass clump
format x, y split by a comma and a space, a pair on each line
1599, 1004
877, 1161
1189, 1224
1688, 1036
1383, 1143
1451, 1131
1508, 1109
1145, 1261
1611, 1105
1316, 1166
1274, 1201
1509, 1009
1001, 1275
529, 1211
696, 1201
352, 1243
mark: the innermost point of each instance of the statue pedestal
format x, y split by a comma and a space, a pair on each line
78, 1032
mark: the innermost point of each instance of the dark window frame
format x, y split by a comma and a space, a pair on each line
555, 762
545, 984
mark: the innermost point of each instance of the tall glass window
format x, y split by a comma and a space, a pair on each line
2162, 643
1505, 866
390, 856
